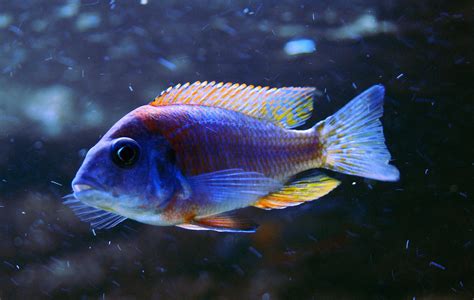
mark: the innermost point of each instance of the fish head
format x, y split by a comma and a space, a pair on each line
130, 171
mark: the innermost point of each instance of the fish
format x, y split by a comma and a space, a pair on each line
199, 152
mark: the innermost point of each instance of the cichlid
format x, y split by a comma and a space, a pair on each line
202, 150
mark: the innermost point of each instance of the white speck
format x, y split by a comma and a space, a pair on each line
400, 76
110, 242
435, 264
314, 17
246, 10
354, 86
354, 183
426, 171
130, 87
68, 264
56, 183
93, 232
118, 246
301, 46
23, 213
18, 267
407, 244
143, 2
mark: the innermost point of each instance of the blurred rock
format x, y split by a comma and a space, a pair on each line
88, 21
5, 20
51, 107
365, 25
301, 46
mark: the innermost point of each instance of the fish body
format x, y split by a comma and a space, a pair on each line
200, 151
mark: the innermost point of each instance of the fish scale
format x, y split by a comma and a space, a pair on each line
234, 140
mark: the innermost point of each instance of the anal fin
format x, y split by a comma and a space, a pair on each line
308, 188
224, 222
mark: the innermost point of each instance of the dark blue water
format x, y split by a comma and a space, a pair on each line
70, 69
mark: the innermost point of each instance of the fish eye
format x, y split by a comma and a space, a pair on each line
125, 152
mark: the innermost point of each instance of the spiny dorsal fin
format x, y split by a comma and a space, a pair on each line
287, 107
294, 193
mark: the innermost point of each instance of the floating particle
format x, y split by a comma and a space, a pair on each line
354, 86
407, 244
143, 2
238, 269
352, 234
400, 76
255, 251
56, 183
435, 264
130, 87
167, 64
301, 46
93, 232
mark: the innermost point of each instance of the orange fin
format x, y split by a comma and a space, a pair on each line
222, 223
305, 189
287, 107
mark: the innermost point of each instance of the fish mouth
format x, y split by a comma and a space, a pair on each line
81, 187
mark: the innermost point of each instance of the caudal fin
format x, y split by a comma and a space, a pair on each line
353, 140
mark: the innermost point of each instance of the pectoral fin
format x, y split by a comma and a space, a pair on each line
224, 222
229, 189
305, 189
98, 218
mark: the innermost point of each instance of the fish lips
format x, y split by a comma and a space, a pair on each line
83, 186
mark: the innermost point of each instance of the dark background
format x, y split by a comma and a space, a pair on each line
70, 69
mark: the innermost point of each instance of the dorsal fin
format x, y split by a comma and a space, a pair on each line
287, 107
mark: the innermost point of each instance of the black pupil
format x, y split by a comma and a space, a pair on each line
126, 154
